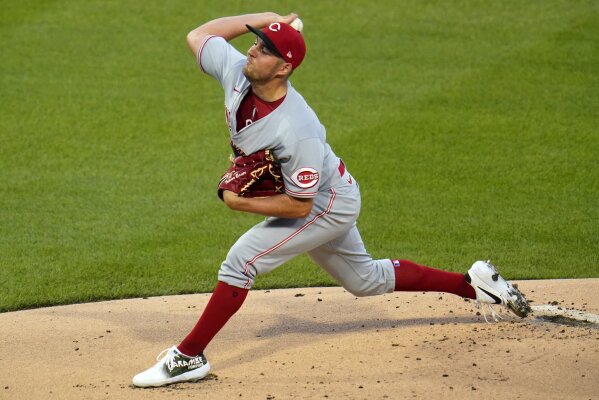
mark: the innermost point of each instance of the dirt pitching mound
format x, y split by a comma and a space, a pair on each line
317, 343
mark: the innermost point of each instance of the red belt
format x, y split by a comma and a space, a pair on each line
341, 167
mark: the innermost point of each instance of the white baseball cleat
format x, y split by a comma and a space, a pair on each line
491, 288
172, 368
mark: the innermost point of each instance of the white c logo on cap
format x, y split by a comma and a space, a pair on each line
275, 27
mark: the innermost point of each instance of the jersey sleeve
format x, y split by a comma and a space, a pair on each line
303, 170
216, 57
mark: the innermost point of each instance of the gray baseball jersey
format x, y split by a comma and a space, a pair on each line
310, 170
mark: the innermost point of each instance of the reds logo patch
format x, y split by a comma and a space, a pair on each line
305, 177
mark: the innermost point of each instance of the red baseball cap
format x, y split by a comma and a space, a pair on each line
284, 41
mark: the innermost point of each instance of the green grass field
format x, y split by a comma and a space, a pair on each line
471, 126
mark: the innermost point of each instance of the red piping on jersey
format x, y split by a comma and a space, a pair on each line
341, 167
288, 238
199, 56
300, 194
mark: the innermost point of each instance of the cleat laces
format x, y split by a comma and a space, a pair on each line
169, 358
496, 316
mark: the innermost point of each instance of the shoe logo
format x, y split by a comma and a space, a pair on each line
491, 295
190, 364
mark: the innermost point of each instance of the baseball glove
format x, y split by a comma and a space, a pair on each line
254, 175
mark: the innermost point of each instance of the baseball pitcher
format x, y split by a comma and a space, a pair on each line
283, 168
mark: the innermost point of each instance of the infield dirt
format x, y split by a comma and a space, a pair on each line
316, 343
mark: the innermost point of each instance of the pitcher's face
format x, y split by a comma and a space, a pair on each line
262, 65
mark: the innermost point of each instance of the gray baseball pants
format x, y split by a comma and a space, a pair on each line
329, 235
